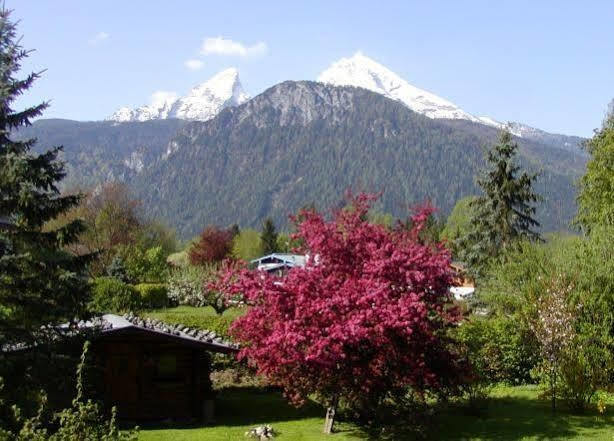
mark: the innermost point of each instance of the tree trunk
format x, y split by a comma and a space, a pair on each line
553, 389
330, 416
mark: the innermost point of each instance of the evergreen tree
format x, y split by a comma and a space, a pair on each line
504, 213
234, 230
268, 237
40, 283
117, 270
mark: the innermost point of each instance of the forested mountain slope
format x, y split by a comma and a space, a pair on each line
99, 151
303, 142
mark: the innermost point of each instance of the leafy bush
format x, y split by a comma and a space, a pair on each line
117, 270
178, 259
213, 245
144, 265
500, 349
516, 287
189, 286
247, 245
112, 295
153, 295
84, 420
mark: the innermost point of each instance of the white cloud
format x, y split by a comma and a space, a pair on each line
194, 64
225, 46
161, 97
98, 38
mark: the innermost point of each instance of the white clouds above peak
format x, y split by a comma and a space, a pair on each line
226, 46
162, 97
98, 38
194, 64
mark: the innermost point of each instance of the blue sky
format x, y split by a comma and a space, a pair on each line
549, 64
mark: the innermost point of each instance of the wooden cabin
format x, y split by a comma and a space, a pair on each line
153, 371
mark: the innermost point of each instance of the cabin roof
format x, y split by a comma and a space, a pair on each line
113, 324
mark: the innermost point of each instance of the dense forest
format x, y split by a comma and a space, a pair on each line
295, 144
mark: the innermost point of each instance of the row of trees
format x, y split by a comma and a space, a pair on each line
41, 281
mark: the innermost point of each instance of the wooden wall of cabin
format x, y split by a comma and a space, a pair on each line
150, 379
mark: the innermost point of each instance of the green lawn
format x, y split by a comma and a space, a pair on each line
187, 315
202, 317
513, 414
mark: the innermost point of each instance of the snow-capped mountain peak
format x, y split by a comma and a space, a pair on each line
201, 103
362, 71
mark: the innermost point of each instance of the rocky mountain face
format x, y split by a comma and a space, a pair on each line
201, 103
302, 142
102, 151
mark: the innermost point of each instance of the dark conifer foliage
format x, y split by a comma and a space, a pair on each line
40, 283
268, 237
505, 212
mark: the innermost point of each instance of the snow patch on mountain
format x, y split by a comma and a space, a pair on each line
361, 71
201, 103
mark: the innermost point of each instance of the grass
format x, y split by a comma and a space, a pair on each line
239, 410
513, 414
197, 317
182, 314
516, 414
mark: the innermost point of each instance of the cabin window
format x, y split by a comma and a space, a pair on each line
167, 367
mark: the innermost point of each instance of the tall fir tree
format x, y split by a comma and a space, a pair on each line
268, 237
504, 213
40, 283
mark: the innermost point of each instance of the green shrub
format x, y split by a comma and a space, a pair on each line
112, 295
144, 265
189, 286
247, 245
500, 349
84, 420
153, 295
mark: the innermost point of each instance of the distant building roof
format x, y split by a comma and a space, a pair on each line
272, 262
462, 292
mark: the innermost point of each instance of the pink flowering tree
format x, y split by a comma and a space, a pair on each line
366, 316
553, 326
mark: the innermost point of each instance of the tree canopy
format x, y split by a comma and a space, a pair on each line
268, 237
40, 282
596, 198
504, 213
364, 317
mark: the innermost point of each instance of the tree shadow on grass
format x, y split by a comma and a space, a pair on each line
250, 406
505, 419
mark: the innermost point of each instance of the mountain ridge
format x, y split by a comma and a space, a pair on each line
362, 71
299, 142
203, 102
